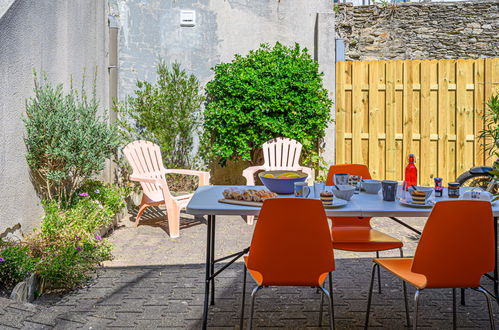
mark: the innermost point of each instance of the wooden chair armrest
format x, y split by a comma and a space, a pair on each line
307, 170
144, 178
249, 173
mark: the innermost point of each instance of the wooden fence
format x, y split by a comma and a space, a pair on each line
386, 110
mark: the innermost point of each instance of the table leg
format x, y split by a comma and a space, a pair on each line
212, 261
209, 229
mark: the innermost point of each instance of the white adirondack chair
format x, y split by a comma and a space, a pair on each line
278, 154
145, 159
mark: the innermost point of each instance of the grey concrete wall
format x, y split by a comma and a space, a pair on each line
60, 37
4, 5
151, 29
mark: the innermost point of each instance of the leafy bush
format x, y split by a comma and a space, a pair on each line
67, 247
166, 113
15, 264
268, 93
491, 131
66, 141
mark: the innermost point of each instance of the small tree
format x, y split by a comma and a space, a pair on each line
66, 141
166, 113
268, 93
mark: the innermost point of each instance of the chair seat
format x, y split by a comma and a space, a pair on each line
401, 267
362, 239
257, 276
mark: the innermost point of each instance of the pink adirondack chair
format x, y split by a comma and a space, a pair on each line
278, 154
145, 159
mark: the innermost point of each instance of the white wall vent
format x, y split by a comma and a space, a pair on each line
187, 18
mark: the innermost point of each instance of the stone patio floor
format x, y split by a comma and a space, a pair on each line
157, 282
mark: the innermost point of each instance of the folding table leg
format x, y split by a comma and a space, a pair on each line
209, 258
212, 261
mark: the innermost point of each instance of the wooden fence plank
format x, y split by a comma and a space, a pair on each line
388, 109
356, 112
340, 112
374, 117
425, 163
460, 115
443, 119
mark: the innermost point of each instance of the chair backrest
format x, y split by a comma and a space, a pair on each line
291, 243
281, 154
145, 159
353, 169
457, 245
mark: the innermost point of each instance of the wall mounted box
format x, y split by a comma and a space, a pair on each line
187, 18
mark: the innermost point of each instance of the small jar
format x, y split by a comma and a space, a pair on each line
438, 187
453, 190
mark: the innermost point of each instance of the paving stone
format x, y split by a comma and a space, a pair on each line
162, 286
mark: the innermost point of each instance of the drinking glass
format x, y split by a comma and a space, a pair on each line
318, 188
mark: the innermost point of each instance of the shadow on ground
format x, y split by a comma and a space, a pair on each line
149, 297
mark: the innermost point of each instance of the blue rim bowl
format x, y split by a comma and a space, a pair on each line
281, 186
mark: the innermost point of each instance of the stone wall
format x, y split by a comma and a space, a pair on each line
419, 30
61, 38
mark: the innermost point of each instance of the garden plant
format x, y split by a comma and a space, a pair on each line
168, 113
67, 145
270, 92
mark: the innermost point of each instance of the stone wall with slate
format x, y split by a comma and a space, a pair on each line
419, 30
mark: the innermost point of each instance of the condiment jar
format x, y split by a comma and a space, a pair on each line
453, 190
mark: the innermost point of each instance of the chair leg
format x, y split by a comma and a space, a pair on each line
322, 298
241, 321
489, 306
407, 318
249, 219
454, 314
331, 297
369, 298
331, 307
173, 214
401, 252
252, 307
416, 303
379, 274
142, 208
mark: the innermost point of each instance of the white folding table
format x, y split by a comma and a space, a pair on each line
205, 202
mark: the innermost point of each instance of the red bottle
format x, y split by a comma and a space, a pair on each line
411, 173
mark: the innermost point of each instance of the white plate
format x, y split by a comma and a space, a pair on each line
336, 203
405, 202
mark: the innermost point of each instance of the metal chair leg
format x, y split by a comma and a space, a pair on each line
454, 314
379, 274
366, 324
489, 306
321, 308
407, 318
241, 320
253, 296
401, 252
331, 307
331, 294
416, 302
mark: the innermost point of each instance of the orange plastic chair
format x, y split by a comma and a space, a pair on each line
356, 234
145, 159
291, 246
455, 250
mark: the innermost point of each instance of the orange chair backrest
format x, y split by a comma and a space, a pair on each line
291, 243
353, 169
457, 245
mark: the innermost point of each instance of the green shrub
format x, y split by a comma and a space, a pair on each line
167, 113
67, 257
268, 93
491, 131
66, 141
108, 195
15, 264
